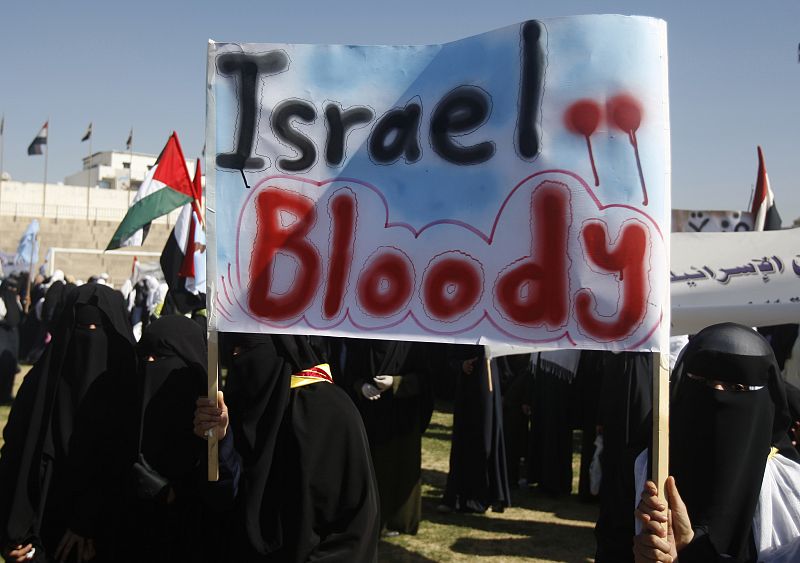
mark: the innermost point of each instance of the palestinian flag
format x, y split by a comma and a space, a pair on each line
765, 213
166, 187
183, 259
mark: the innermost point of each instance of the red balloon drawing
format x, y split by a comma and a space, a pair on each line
583, 117
625, 113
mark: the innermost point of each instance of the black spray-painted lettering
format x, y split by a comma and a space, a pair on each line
396, 135
281, 121
339, 123
248, 69
460, 112
530, 93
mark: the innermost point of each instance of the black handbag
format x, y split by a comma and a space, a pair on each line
148, 484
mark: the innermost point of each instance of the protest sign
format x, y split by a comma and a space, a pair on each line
511, 187
751, 278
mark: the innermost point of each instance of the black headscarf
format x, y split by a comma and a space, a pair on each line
39, 432
257, 394
8, 293
720, 440
171, 384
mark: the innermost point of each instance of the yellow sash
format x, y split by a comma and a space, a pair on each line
317, 374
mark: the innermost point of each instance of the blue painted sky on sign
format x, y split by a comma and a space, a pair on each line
593, 57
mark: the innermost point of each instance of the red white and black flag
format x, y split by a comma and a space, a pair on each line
88, 134
37, 145
183, 257
765, 213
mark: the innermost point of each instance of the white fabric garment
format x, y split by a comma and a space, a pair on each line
676, 344
3, 310
596, 468
561, 363
776, 522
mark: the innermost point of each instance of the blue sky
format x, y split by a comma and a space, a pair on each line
734, 76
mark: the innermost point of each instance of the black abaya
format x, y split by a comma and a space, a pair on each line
624, 416
181, 524
9, 339
394, 423
478, 477
46, 458
308, 488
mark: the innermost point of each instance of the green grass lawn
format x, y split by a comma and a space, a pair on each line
536, 528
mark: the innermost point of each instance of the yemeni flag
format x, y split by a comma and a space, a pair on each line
765, 213
183, 259
40, 141
166, 187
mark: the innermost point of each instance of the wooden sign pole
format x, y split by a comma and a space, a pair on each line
213, 386
660, 462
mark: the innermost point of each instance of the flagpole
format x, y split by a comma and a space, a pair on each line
130, 161
89, 173
2, 139
46, 151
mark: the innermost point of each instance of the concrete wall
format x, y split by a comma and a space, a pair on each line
82, 234
26, 199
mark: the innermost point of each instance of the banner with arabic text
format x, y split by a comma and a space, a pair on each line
752, 278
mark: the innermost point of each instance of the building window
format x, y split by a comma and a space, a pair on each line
126, 164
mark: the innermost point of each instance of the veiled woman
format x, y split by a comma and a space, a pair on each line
48, 455
729, 455
170, 511
308, 489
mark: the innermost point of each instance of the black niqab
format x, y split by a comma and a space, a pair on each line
720, 440
172, 381
257, 393
39, 434
308, 490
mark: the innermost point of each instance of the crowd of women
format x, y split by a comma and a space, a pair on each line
320, 441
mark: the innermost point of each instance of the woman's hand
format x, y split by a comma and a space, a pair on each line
210, 415
20, 553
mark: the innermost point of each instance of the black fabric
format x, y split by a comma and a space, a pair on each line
385, 419
45, 462
33, 330
153, 527
517, 395
588, 382
54, 301
395, 423
720, 439
624, 412
782, 339
308, 488
9, 339
478, 476
8, 293
552, 417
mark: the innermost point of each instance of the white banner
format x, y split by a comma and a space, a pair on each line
511, 187
752, 278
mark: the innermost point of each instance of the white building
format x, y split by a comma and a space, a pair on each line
116, 170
